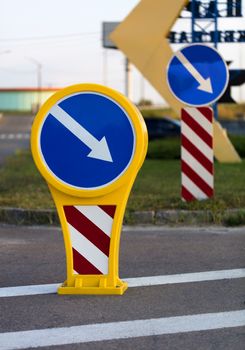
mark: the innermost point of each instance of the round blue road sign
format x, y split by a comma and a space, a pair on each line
87, 140
197, 75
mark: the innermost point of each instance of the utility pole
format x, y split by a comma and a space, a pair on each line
203, 23
128, 83
39, 78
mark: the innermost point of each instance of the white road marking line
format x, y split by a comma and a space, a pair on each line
18, 136
121, 330
186, 278
28, 290
6, 292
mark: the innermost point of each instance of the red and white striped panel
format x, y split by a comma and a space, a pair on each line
90, 233
197, 153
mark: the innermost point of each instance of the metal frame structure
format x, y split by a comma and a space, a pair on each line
210, 20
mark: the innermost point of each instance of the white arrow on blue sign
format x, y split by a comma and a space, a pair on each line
87, 140
197, 75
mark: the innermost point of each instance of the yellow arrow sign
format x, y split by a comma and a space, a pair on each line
142, 37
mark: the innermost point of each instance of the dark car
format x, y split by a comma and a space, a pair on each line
162, 127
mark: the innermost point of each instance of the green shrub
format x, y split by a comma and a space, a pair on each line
235, 219
239, 144
168, 148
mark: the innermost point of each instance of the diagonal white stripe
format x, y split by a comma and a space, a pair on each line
121, 330
197, 167
192, 188
197, 141
6, 292
99, 148
88, 250
200, 119
98, 216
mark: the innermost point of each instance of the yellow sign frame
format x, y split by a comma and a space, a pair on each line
115, 193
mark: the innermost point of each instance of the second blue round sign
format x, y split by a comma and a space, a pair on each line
197, 75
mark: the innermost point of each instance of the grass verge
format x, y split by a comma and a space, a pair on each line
235, 219
157, 187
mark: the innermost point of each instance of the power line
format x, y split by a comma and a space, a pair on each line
56, 41
64, 42
50, 37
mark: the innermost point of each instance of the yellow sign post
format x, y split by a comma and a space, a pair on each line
89, 142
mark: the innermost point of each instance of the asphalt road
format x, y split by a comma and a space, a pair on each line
35, 256
14, 134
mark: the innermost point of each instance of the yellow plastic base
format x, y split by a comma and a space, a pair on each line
119, 289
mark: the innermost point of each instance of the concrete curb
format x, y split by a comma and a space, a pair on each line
174, 217
18, 216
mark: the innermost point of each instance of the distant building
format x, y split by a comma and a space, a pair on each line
24, 99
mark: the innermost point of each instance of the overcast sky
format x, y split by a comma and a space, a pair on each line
65, 37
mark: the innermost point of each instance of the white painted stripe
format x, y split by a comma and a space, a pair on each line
19, 291
87, 249
133, 282
14, 136
197, 141
121, 330
98, 216
200, 119
186, 278
197, 167
192, 188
